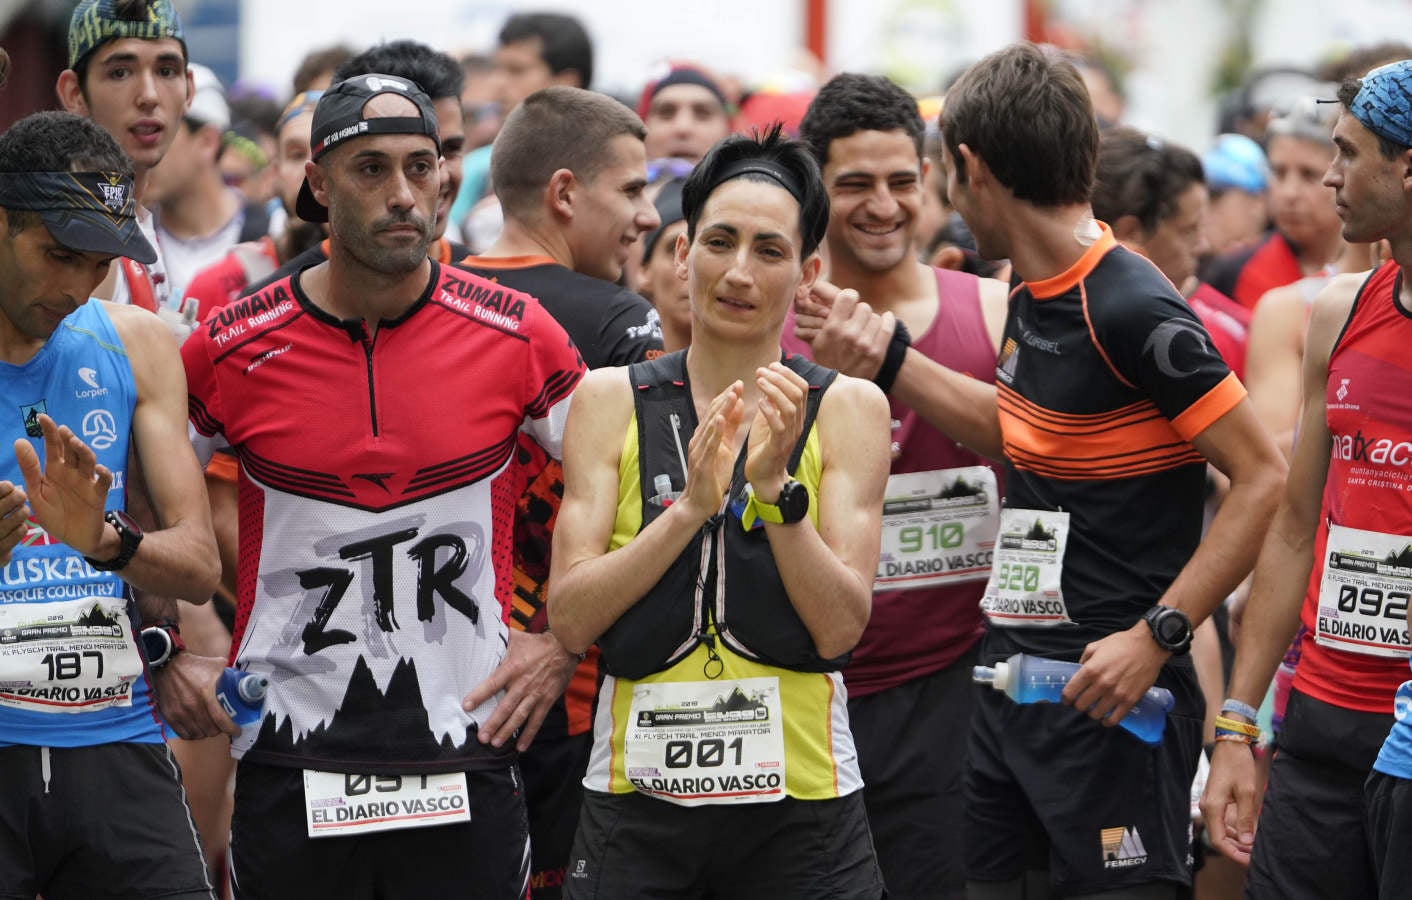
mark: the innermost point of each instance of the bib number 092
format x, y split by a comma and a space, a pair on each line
1373, 602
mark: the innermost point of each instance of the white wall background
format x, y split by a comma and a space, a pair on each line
1173, 44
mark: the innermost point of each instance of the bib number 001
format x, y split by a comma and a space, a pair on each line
708, 754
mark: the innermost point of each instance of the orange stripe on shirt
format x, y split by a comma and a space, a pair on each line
1215, 403
1142, 409
1098, 345
1082, 449
1067, 279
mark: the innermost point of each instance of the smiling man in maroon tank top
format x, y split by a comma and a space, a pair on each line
909, 682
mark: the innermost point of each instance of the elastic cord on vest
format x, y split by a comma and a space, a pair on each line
770, 169
892, 361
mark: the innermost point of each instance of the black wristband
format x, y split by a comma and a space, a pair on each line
892, 360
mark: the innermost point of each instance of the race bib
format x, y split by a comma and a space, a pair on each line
1364, 592
67, 656
339, 804
1023, 589
707, 742
938, 528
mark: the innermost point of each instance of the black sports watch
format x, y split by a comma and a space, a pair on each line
162, 641
792, 505
1171, 628
129, 533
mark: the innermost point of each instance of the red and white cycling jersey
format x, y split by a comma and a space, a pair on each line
377, 489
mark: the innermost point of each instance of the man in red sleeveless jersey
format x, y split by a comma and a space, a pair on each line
909, 684
1335, 556
374, 403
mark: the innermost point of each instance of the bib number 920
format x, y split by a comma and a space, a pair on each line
1373, 602
1021, 577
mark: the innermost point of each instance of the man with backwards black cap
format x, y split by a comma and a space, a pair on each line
726, 572
375, 571
82, 756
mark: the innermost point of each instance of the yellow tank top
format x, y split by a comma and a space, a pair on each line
752, 733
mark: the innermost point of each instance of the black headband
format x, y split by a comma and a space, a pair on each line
769, 168
687, 75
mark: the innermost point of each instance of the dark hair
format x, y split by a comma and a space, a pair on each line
1361, 60
439, 75
555, 128
563, 42
773, 147
1028, 115
317, 62
261, 113
1141, 176
57, 142
1347, 92
476, 64
128, 11
850, 103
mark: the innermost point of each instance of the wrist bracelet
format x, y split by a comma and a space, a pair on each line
1233, 738
1234, 725
1241, 709
892, 360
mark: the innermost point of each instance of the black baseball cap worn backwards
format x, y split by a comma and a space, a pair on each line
91, 212
338, 118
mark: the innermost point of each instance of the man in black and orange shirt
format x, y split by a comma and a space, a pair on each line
569, 171
1109, 400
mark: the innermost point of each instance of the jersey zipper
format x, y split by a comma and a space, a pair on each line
372, 391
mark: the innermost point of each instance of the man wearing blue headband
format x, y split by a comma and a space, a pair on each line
82, 755
127, 72
1336, 559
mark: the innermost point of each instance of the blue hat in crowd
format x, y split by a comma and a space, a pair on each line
1384, 102
1235, 161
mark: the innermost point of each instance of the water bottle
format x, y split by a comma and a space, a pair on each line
1034, 679
242, 695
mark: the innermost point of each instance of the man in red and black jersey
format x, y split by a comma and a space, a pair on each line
569, 171
374, 403
1335, 560
1108, 401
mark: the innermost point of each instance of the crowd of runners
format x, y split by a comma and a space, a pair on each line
618, 501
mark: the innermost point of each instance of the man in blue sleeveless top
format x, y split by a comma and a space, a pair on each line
91, 802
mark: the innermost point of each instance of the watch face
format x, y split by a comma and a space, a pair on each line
1173, 628
794, 501
156, 645
125, 521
